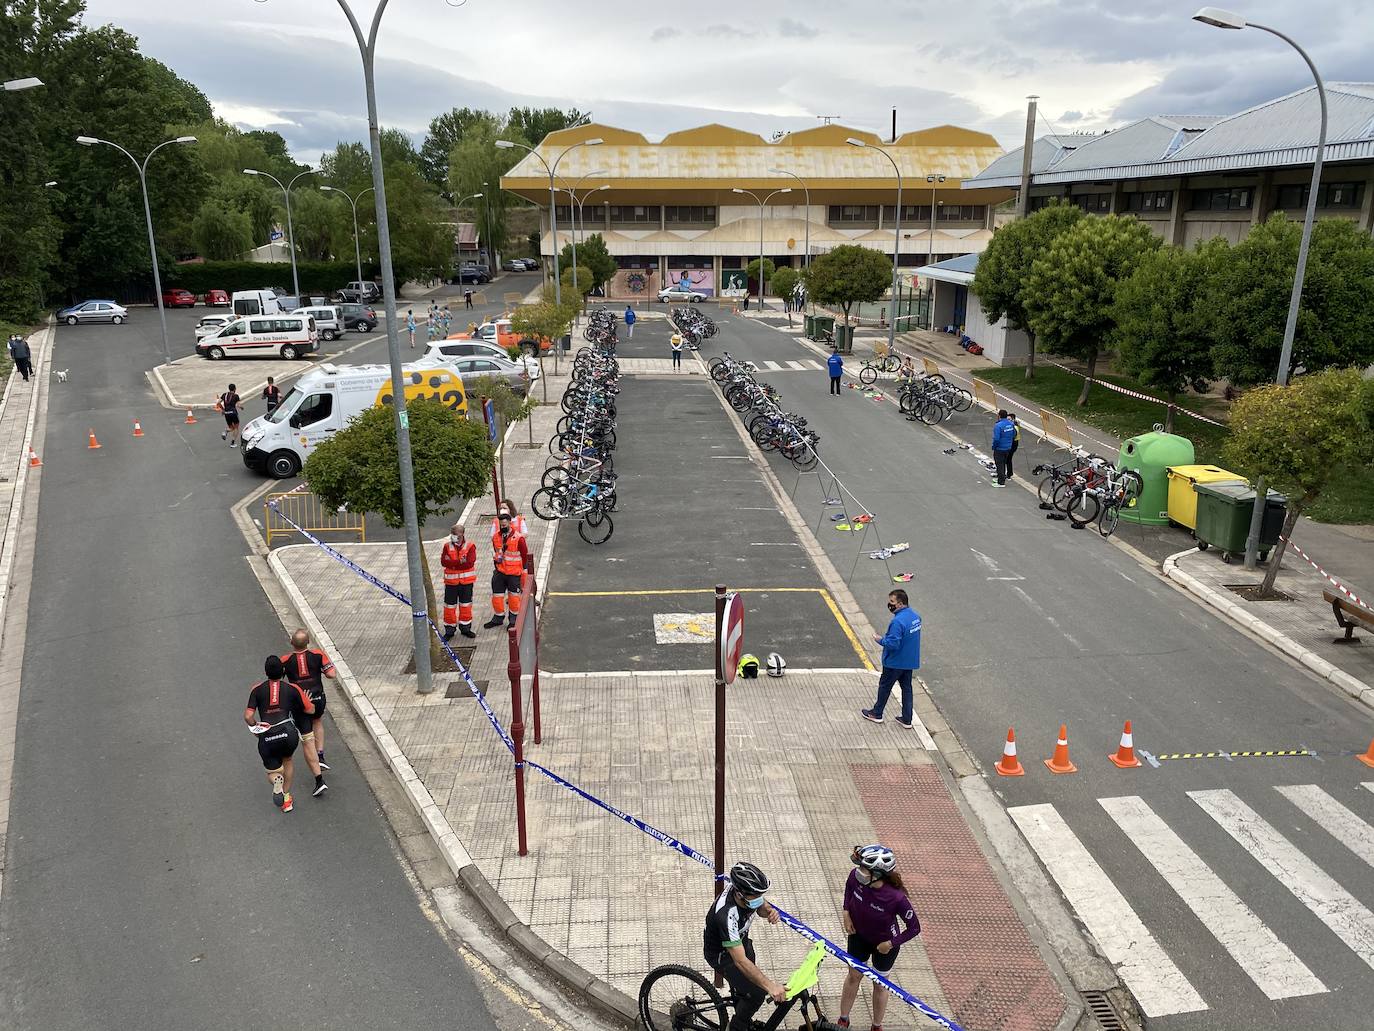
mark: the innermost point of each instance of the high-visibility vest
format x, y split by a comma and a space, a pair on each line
517, 525
460, 564
511, 560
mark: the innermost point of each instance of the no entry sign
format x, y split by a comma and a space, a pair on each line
731, 636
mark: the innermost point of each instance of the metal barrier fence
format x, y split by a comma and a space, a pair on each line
1055, 427
985, 393
305, 510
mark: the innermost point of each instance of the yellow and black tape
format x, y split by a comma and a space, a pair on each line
1253, 754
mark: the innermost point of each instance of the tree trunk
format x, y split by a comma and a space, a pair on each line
437, 659
845, 308
1169, 413
1088, 382
1276, 556
1030, 356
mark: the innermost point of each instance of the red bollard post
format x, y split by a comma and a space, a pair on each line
517, 733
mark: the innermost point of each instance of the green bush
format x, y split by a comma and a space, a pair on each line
317, 277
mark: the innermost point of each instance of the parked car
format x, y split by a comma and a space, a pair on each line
531, 264
209, 325
676, 293
452, 349
328, 321
471, 274
514, 265
470, 370
178, 298
216, 299
362, 317
286, 336
361, 292
93, 311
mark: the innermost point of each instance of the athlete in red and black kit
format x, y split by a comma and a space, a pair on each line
275, 709
459, 559
306, 667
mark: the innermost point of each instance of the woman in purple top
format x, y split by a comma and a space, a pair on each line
874, 901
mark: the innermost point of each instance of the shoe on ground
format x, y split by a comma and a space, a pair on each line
467, 631
842, 1022
320, 787
224, 436
448, 634
903, 724
325, 766
999, 484
278, 798
494, 621
870, 715
288, 805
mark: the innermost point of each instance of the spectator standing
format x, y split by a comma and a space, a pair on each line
1003, 440
229, 402
271, 395
901, 657
677, 352
630, 322
835, 365
410, 326
22, 357
467, 298
874, 901
1015, 442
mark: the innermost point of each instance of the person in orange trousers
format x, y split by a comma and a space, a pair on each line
459, 559
509, 553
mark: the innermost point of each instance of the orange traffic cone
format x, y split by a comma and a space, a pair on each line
1368, 757
190, 419
1060, 763
34, 460
1009, 765
93, 442
138, 430
1125, 753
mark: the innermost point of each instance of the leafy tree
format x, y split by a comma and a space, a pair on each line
1251, 291
576, 281
475, 160
1072, 286
847, 275
220, 232
322, 225
784, 281
752, 270
545, 320
593, 256
358, 467
510, 409
1163, 320
1299, 436
1004, 267
536, 123
397, 147
446, 132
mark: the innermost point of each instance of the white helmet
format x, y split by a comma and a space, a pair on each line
875, 858
776, 666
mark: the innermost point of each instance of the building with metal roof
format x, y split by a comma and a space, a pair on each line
1193, 177
669, 212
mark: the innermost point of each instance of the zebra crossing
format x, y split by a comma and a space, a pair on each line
803, 365
1142, 954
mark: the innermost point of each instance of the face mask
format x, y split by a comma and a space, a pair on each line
864, 876
754, 903
453, 537
891, 607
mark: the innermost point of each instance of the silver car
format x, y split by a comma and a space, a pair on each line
93, 311
676, 293
470, 370
449, 351
209, 325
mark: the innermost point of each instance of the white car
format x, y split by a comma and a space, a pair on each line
211, 324
449, 351
676, 293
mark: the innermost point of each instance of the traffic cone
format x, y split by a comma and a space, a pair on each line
190, 419
34, 460
1009, 765
93, 442
1060, 762
138, 430
1125, 753
1368, 757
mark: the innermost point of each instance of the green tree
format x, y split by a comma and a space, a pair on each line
752, 270
1163, 320
545, 320
446, 132
1299, 436
576, 281
593, 256
1004, 267
848, 275
220, 232
322, 224
358, 467
476, 160
1072, 286
1251, 291
536, 123
784, 281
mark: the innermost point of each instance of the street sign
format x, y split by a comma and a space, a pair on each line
277, 234
489, 413
732, 636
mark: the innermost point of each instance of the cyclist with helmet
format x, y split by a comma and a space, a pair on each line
874, 900
727, 946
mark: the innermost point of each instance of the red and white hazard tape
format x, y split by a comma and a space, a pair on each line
1135, 394
1331, 579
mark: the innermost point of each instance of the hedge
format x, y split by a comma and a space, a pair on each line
316, 277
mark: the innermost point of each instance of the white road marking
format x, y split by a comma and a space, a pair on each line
811, 364
772, 366
1276, 971
796, 365
987, 561
1009, 578
1348, 919
1335, 819
1368, 785
1158, 985
774, 544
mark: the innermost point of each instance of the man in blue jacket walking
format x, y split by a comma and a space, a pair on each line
836, 366
1003, 439
901, 656
629, 322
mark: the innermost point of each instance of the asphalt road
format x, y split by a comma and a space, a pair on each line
149, 880
1029, 624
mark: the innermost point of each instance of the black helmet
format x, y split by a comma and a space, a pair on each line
748, 879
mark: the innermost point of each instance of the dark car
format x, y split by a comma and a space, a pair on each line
472, 274
361, 317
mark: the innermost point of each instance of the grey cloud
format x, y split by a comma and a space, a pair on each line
796, 30
720, 31
664, 32
1069, 117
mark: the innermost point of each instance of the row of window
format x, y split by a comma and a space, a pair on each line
854, 215
1150, 200
1222, 198
1329, 195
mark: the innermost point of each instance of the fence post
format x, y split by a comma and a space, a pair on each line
530, 610
517, 734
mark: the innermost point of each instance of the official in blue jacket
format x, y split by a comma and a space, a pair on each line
1003, 439
836, 366
629, 322
901, 656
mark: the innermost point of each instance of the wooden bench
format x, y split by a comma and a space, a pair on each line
1343, 607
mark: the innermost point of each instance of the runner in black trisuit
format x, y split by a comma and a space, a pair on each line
274, 706
307, 668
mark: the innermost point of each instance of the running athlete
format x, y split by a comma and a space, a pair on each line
229, 402
274, 707
728, 949
459, 559
874, 900
307, 667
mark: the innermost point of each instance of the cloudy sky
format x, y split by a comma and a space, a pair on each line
293, 65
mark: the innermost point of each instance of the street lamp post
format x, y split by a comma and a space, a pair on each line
933, 180
572, 217
290, 231
896, 239
761, 204
805, 190
90, 141
14, 85
471, 196
352, 203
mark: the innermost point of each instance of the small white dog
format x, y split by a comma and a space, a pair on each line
61, 374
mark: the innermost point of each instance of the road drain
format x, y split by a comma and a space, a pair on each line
1101, 1007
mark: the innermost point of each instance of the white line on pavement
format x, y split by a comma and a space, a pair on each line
1351, 922
1335, 819
796, 365
1158, 985
772, 366
1276, 971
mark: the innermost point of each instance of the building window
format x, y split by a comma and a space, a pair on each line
960, 213
634, 215
1330, 195
1150, 201
853, 215
689, 215
1036, 203
594, 214
1093, 203
1225, 198
910, 213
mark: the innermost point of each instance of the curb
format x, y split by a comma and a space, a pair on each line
1245, 620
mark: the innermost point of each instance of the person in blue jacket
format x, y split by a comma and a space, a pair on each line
836, 366
629, 322
901, 656
1003, 440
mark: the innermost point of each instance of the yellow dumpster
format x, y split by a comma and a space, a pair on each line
1182, 496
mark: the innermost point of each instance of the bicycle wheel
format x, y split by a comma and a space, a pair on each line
891, 363
906, 403
1106, 522
1083, 506
1132, 485
677, 998
963, 400
1045, 491
1063, 493
548, 502
868, 375
805, 459
599, 533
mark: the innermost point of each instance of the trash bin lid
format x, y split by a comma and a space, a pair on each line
1238, 493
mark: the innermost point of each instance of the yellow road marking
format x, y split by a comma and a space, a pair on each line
848, 630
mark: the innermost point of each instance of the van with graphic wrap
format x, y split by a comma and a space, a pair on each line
325, 399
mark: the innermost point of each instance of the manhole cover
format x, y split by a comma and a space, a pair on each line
459, 689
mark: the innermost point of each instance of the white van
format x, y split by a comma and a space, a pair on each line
270, 336
324, 399
256, 302
328, 322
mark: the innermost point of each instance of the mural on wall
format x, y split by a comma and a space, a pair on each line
634, 284
734, 282
698, 280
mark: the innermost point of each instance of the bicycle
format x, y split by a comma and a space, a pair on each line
877, 364
1119, 488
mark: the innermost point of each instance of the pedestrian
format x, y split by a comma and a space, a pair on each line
274, 706
746, 300
901, 656
410, 326
445, 321
677, 352
836, 366
1015, 443
467, 298
874, 901
629, 322
307, 668
22, 357
271, 394
228, 403
509, 552
1003, 438
459, 560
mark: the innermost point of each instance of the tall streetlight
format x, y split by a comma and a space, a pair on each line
290, 231
896, 238
353, 203
934, 181
14, 85
806, 190
91, 141
572, 208
761, 204
1221, 19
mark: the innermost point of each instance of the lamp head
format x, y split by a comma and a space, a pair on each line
18, 84
51, 182
476, 195
594, 141
855, 143
504, 144
185, 139
251, 171
735, 189
604, 186
330, 189
87, 141
1219, 18
785, 189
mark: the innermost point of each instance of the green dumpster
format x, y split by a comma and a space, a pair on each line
844, 338
822, 325
810, 327
1151, 454
1223, 518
